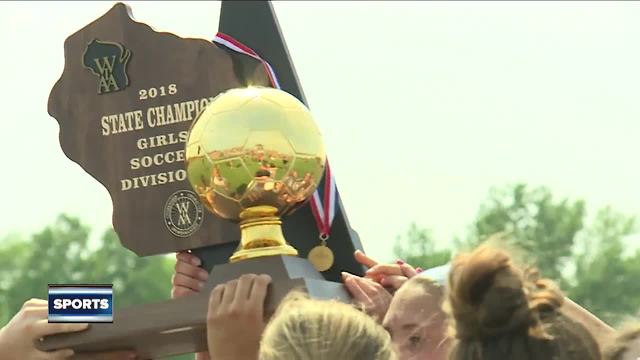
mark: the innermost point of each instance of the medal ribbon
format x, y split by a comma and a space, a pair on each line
323, 209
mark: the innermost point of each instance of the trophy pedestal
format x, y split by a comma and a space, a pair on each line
178, 326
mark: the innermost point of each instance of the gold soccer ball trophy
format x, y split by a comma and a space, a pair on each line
253, 155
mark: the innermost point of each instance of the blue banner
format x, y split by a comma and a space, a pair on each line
81, 303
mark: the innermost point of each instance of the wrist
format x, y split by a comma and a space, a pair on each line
4, 344
2, 336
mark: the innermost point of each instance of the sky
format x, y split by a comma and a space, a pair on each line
433, 102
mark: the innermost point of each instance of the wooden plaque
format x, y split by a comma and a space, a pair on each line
125, 102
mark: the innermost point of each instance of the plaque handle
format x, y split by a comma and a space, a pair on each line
215, 254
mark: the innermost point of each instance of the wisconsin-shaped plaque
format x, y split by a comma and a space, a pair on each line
125, 102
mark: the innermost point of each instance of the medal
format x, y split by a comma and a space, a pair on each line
321, 257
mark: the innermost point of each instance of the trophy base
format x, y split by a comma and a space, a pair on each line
178, 326
261, 234
245, 254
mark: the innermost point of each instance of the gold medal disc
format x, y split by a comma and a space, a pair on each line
321, 257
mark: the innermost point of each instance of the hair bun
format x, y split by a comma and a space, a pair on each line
487, 295
545, 296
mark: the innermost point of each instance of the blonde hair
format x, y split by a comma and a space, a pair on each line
306, 329
430, 286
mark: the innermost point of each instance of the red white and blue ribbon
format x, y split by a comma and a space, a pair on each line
324, 209
237, 46
323, 206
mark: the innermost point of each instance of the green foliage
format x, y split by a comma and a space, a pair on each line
541, 226
61, 253
418, 249
48, 258
589, 262
606, 279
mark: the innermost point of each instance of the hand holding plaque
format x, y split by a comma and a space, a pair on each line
260, 157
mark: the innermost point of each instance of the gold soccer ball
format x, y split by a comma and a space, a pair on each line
251, 147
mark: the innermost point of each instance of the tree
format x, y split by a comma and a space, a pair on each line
61, 253
606, 279
418, 249
55, 255
541, 226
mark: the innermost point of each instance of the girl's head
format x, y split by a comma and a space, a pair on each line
626, 346
416, 322
498, 313
306, 329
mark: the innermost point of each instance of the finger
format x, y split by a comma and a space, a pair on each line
369, 287
245, 283
408, 270
364, 259
181, 280
375, 277
385, 269
34, 303
394, 282
379, 297
42, 328
33, 312
229, 293
56, 355
259, 293
191, 270
346, 275
216, 296
178, 292
189, 258
259, 289
356, 291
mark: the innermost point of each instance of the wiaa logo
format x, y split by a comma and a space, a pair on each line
183, 213
108, 60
